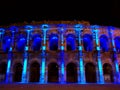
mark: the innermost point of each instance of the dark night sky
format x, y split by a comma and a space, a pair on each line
101, 12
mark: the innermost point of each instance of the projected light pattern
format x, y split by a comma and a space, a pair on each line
61, 43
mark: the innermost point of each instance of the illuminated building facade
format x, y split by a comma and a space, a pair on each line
60, 52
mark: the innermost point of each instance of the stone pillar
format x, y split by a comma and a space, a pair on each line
8, 71
100, 77
28, 30
43, 76
62, 73
114, 57
81, 72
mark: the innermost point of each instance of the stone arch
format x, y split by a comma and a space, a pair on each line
3, 69
53, 72
117, 43
36, 42
53, 42
71, 72
34, 72
104, 43
17, 69
87, 42
108, 72
70, 42
90, 73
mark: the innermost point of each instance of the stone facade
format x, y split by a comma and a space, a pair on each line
59, 52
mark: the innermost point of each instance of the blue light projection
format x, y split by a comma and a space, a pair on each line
87, 42
104, 43
21, 43
53, 39
6, 43
44, 28
24, 70
81, 76
42, 78
71, 42
117, 43
36, 45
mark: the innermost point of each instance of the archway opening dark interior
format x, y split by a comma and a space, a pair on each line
88, 42
53, 42
17, 69
3, 67
117, 43
36, 45
90, 73
21, 43
108, 73
53, 72
71, 73
34, 72
104, 43
70, 42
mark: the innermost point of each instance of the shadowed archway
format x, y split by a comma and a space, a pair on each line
53, 42
70, 42
53, 72
104, 43
88, 42
108, 73
36, 44
117, 43
17, 69
71, 73
90, 73
34, 72
3, 68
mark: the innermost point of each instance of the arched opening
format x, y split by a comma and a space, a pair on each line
117, 43
6, 43
34, 72
21, 42
108, 73
53, 72
90, 73
3, 68
70, 42
17, 69
71, 73
104, 43
36, 45
53, 42
88, 42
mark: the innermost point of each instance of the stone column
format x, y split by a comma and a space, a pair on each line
114, 57
100, 77
81, 72
43, 76
8, 71
28, 30
62, 73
